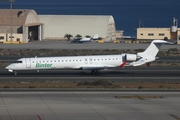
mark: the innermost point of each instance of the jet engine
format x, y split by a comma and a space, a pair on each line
131, 57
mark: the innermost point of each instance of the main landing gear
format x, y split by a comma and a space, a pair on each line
95, 72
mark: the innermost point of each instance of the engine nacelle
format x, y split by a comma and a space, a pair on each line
131, 57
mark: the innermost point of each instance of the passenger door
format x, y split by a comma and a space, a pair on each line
28, 62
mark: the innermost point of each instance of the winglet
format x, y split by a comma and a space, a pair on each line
122, 65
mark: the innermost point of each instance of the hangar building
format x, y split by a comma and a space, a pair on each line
26, 25
56, 26
23, 24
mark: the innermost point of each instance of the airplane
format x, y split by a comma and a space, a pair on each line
85, 39
93, 63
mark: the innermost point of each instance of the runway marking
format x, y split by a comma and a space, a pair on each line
39, 117
139, 97
174, 116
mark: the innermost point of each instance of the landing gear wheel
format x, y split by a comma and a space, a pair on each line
95, 72
15, 73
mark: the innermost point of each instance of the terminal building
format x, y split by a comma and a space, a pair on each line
26, 25
172, 33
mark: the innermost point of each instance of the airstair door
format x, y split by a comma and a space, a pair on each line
28, 63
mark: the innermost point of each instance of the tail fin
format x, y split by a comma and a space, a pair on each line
95, 37
150, 53
153, 48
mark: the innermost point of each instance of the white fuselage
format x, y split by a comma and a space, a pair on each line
73, 62
93, 63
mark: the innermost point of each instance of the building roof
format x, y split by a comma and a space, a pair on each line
19, 17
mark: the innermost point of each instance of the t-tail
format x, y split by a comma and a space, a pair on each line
150, 53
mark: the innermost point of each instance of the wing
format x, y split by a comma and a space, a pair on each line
99, 67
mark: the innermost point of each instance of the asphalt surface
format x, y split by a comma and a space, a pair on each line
96, 105
54, 44
134, 74
92, 105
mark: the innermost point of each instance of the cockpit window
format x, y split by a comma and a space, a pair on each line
17, 62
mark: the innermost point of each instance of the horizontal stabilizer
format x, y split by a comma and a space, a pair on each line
153, 48
150, 53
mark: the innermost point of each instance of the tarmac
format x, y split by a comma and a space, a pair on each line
91, 105
55, 44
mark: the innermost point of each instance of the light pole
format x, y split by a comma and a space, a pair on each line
11, 1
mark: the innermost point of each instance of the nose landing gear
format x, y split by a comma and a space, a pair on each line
15, 73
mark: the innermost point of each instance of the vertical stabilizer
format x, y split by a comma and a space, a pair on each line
150, 53
95, 37
153, 48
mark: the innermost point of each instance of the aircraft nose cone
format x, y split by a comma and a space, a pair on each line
9, 67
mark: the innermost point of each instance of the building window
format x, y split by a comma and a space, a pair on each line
161, 34
11, 36
1, 37
141, 34
150, 34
